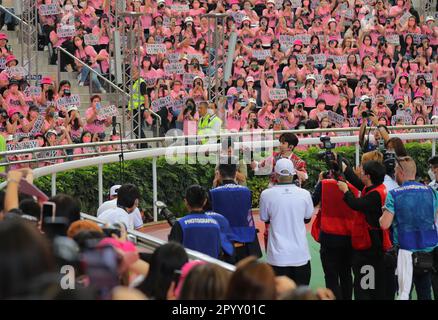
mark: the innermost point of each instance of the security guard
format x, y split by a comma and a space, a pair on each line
209, 122
139, 102
197, 230
411, 210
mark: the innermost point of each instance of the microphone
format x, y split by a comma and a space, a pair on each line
114, 123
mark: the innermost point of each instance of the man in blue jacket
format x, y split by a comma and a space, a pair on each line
197, 230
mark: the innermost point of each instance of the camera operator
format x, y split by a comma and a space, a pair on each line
369, 241
196, 230
328, 91
381, 132
433, 172
344, 88
411, 211
331, 229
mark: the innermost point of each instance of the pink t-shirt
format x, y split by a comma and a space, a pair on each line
97, 126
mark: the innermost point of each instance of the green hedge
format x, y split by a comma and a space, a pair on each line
173, 179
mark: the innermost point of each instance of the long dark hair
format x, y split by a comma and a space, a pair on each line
165, 260
25, 256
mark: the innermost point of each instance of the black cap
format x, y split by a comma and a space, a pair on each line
433, 161
13, 81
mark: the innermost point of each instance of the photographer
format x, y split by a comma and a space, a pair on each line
328, 91
308, 92
381, 132
47, 91
189, 117
331, 228
411, 211
380, 88
368, 240
198, 93
344, 88
196, 230
363, 87
299, 113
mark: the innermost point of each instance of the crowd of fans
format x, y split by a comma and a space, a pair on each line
308, 64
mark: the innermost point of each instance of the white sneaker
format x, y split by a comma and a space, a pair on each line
46, 48
102, 90
81, 84
79, 77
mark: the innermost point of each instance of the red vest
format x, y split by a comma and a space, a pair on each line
335, 217
360, 236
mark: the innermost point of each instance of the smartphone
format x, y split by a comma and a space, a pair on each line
98, 105
48, 210
55, 227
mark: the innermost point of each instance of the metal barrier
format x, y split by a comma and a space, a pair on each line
151, 243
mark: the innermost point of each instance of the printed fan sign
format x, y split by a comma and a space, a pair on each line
15, 72
404, 18
196, 56
22, 145
155, 48
107, 112
157, 104
91, 39
393, 38
38, 125
66, 31
174, 68
180, 7
261, 54
277, 94
335, 118
319, 59
49, 9
32, 91
72, 100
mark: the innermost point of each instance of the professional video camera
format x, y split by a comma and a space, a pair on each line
389, 158
166, 213
333, 162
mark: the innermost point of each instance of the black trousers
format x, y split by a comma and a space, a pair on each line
434, 279
369, 274
301, 275
336, 263
248, 249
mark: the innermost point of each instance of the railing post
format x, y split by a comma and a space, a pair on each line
433, 147
154, 186
357, 152
53, 184
59, 65
100, 182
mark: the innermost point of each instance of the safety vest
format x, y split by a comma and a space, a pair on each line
226, 233
336, 215
415, 227
360, 231
207, 124
234, 203
137, 99
201, 233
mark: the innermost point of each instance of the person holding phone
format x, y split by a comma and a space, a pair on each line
94, 123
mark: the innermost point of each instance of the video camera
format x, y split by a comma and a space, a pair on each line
166, 213
389, 158
333, 163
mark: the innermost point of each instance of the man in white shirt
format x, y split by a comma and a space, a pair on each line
286, 207
127, 201
112, 204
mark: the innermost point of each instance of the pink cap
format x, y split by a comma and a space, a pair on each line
46, 80
3, 36
333, 38
298, 42
233, 2
398, 97
404, 74
184, 272
11, 58
299, 100
232, 91
125, 246
11, 111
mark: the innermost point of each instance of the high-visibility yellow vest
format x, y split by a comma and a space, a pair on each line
137, 99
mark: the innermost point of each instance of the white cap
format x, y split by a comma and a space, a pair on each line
285, 167
252, 100
196, 78
51, 131
430, 18
161, 1
246, 18
114, 190
249, 79
72, 108
331, 20
271, 1
188, 19
364, 97
310, 76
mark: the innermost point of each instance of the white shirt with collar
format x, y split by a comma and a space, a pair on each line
389, 183
118, 215
111, 204
286, 206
